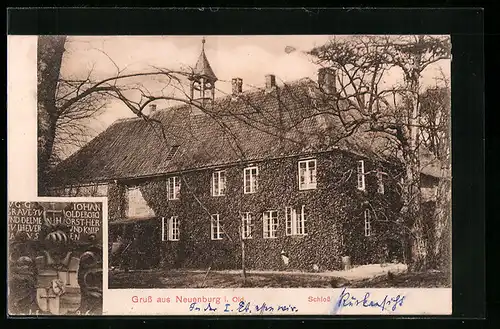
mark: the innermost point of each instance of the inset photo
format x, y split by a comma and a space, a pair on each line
55, 262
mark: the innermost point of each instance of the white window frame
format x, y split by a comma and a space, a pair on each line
163, 230
380, 182
173, 229
368, 222
215, 227
175, 183
310, 181
270, 224
295, 224
246, 225
252, 184
219, 183
361, 175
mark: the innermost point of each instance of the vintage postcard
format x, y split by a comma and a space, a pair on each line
230, 175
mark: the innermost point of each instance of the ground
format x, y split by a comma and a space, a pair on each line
371, 276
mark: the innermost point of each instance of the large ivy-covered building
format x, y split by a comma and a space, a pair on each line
260, 166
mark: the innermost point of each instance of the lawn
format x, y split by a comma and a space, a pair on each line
233, 279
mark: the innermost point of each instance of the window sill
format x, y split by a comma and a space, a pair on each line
172, 240
215, 196
217, 239
250, 192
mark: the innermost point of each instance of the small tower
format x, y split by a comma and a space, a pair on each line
203, 79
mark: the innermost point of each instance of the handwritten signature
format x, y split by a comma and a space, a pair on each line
346, 299
244, 307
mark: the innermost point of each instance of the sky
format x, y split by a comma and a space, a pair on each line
246, 57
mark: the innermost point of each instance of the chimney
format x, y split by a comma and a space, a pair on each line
237, 84
270, 82
326, 80
152, 108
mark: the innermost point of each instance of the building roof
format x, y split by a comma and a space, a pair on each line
256, 125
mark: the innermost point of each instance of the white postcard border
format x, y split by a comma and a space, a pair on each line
22, 186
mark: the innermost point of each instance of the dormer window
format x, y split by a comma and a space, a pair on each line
307, 174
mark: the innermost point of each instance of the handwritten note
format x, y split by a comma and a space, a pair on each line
245, 308
218, 304
347, 299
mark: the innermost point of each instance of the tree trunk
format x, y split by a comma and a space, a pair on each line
419, 241
412, 213
243, 269
442, 212
50, 53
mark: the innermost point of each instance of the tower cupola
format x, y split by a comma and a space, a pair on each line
203, 79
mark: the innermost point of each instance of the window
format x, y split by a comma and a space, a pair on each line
361, 175
270, 223
250, 179
219, 183
307, 174
164, 230
215, 227
368, 222
170, 229
295, 223
380, 182
173, 188
246, 225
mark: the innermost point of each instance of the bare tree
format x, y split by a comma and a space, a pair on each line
364, 103
50, 54
435, 117
65, 103
74, 126
361, 102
